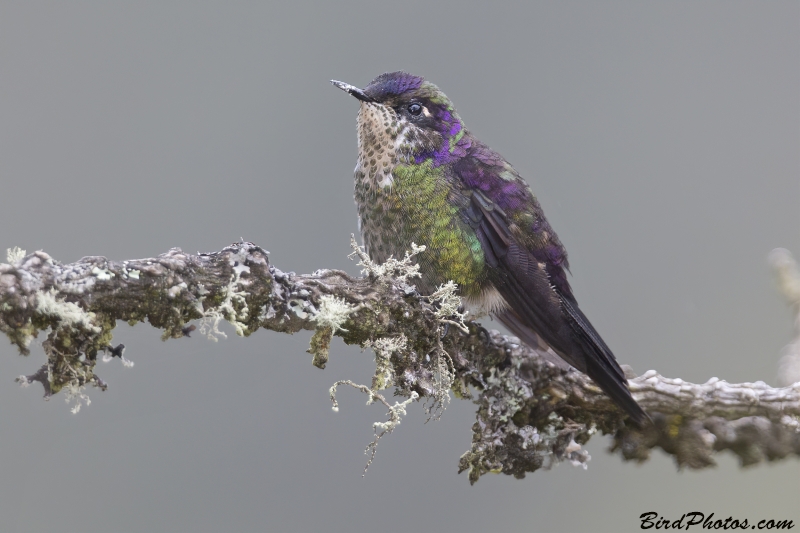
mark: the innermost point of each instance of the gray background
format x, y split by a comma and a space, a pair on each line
661, 138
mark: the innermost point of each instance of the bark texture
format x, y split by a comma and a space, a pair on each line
530, 413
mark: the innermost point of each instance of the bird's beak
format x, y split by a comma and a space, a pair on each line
355, 91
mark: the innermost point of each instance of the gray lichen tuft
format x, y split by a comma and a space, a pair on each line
531, 414
78, 304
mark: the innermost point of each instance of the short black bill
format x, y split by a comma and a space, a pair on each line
355, 91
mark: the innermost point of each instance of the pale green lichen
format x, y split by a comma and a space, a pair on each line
444, 376
398, 410
512, 397
209, 323
388, 350
392, 270
333, 312
448, 305
320, 346
67, 313
383, 348
395, 414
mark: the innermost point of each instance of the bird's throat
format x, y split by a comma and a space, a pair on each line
380, 136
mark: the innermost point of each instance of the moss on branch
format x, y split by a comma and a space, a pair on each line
530, 413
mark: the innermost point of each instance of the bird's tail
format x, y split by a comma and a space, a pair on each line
599, 364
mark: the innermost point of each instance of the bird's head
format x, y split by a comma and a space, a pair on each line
405, 118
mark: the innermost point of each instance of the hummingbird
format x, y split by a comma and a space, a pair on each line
422, 177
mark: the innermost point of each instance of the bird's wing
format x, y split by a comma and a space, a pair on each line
527, 265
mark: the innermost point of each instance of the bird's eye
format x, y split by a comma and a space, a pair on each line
414, 109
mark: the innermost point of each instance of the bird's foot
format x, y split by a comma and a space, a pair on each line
483, 334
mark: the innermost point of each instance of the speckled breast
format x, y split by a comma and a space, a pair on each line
401, 201
416, 208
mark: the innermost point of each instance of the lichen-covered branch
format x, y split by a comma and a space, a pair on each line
530, 413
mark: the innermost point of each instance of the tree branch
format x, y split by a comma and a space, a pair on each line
531, 413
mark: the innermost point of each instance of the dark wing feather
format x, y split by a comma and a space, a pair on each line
541, 309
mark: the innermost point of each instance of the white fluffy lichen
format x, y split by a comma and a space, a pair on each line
383, 348
68, 313
448, 305
449, 312
333, 313
395, 414
73, 392
444, 375
330, 318
15, 255
393, 270
226, 310
209, 325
